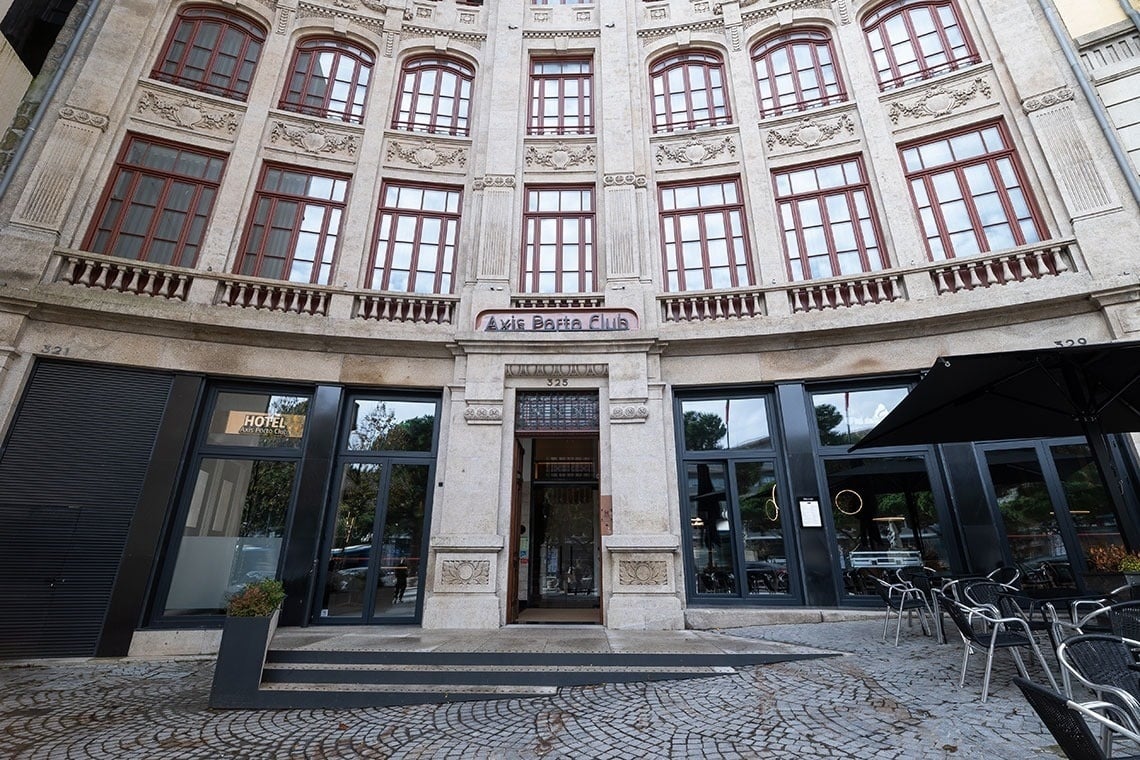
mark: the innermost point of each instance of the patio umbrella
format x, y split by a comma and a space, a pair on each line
1085, 390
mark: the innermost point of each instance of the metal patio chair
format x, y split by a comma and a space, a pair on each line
1107, 666
1066, 721
1007, 576
984, 631
901, 599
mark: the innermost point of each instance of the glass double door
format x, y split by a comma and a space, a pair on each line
1053, 508
737, 542
374, 567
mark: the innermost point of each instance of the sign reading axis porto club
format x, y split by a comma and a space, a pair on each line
556, 321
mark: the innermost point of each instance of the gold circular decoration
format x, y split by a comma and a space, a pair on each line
772, 515
858, 508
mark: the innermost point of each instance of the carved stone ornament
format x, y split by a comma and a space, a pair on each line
561, 156
315, 138
635, 572
86, 118
493, 180
427, 154
1047, 99
465, 572
621, 180
557, 370
695, 151
189, 113
938, 100
810, 132
629, 413
486, 415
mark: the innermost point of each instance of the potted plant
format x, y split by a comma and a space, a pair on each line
1130, 566
251, 620
1104, 572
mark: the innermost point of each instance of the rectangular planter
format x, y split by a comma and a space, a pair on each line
241, 658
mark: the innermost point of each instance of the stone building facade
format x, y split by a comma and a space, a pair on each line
463, 314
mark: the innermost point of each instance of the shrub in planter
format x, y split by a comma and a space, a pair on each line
256, 599
251, 619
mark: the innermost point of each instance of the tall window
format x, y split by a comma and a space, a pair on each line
828, 220
702, 231
796, 71
157, 203
916, 39
561, 97
416, 237
558, 254
970, 193
688, 92
211, 50
293, 226
328, 78
434, 97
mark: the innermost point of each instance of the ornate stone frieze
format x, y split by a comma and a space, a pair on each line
810, 132
938, 100
844, 8
640, 572
621, 180
696, 151
467, 18
464, 573
345, 10
468, 38
492, 181
427, 154
86, 118
1046, 99
561, 156
188, 113
572, 34
557, 370
315, 139
629, 413
483, 414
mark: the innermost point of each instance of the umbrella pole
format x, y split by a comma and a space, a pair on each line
1102, 457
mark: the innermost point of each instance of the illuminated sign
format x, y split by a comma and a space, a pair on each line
556, 321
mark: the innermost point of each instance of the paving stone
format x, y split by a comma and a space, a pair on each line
876, 701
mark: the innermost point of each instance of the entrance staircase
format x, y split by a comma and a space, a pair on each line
303, 670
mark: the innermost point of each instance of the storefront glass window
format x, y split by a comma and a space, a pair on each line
844, 418
1091, 509
711, 528
386, 425
719, 424
761, 516
884, 516
264, 420
232, 534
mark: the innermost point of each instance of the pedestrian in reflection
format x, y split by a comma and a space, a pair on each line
401, 572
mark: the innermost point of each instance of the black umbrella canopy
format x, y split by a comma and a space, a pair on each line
1039, 393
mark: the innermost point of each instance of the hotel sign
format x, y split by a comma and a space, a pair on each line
556, 321
265, 424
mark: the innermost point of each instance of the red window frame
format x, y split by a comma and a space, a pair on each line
912, 40
434, 96
559, 253
971, 192
416, 239
310, 89
192, 55
294, 225
704, 235
157, 202
797, 71
689, 91
828, 220
561, 96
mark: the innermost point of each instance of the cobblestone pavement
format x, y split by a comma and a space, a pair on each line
876, 702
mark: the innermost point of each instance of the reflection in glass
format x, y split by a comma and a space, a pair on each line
844, 418
717, 424
232, 534
346, 580
397, 587
258, 419
765, 559
386, 425
1089, 505
1032, 531
882, 505
711, 530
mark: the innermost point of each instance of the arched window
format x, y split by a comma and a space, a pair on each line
688, 92
211, 50
328, 78
796, 71
917, 39
434, 97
